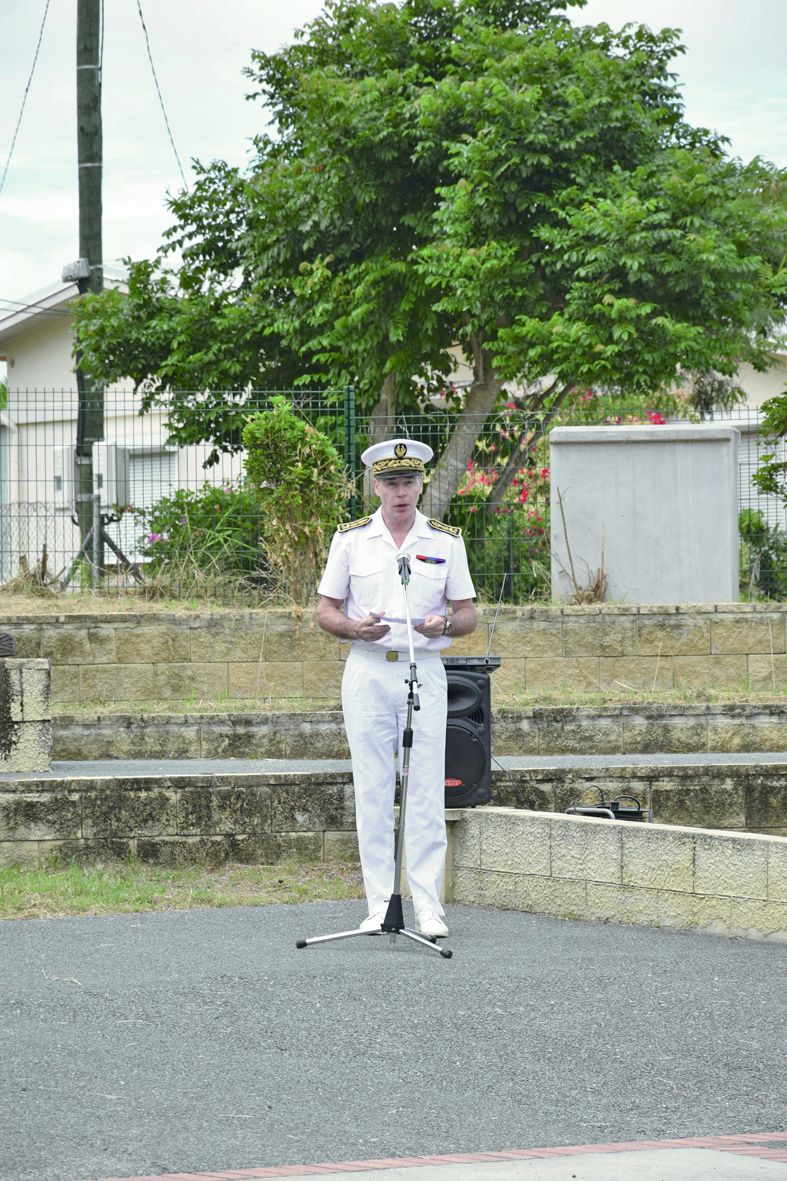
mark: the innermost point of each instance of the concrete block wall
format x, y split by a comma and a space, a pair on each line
172, 820
25, 715
639, 729
272, 654
648, 875
319, 733
733, 883
742, 797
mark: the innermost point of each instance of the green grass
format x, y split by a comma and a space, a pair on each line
123, 887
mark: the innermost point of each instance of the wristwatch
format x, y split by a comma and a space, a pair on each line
448, 626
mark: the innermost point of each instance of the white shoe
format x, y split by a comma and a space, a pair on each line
374, 921
431, 924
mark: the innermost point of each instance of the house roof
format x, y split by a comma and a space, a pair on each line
49, 303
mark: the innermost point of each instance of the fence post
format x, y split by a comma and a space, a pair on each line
349, 442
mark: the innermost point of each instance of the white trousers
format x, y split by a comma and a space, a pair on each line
374, 701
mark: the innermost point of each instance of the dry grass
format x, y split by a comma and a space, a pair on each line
48, 602
302, 705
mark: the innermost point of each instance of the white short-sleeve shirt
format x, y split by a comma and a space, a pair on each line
362, 572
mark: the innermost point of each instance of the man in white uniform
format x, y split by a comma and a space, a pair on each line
361, 600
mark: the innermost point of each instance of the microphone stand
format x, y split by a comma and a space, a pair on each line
393, 923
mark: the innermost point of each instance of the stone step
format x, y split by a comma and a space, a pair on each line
538, 730
269, 809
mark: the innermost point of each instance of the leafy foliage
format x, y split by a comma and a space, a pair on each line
771, 475
480, 174
510, 559
299, 478
210, 535
763, 557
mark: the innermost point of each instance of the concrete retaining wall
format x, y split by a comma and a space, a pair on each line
648, 875
739, 797
541, 730
733, 883
259, 655
268, 817
177, 819
25, 715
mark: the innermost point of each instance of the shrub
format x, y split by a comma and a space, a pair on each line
300, 480
208, 537
508, 545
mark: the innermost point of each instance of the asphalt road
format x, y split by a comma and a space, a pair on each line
203, 1040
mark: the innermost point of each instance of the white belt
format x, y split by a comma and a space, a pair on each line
390, 654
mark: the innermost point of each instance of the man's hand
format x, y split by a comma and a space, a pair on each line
372, 628
432, 626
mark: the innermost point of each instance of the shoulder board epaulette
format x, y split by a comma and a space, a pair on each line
354, 524
454, 530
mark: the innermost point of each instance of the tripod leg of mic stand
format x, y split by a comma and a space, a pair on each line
425, 941
445, 952
299, 943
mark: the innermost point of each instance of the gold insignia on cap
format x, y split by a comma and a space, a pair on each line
381, 466
400, 450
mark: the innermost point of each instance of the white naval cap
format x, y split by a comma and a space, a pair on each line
397, 457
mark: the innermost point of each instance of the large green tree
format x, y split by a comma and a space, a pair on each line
440, 173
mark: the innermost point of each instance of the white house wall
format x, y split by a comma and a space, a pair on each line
40, 357
761, 386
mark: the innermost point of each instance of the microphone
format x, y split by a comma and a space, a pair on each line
403, 562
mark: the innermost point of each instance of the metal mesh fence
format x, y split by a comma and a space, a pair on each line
163, 503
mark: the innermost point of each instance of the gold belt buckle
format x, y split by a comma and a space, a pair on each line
391, 655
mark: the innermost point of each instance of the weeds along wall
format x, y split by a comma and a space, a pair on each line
269, 654
175, 501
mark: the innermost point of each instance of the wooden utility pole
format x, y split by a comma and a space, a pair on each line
90, 267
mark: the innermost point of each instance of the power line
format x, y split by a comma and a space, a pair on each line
160, 98
20, 306
24, 97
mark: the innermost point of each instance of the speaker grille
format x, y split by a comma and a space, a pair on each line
468, 738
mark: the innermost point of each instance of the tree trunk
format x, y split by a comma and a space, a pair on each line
382, 426
527, 444
449, 471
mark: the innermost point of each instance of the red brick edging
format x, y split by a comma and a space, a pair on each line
756, 1144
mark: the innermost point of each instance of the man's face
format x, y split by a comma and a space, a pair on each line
399, 496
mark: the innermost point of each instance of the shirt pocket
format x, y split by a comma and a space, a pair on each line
365, 583
427, 590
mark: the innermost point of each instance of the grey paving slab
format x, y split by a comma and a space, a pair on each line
161, 767
136, 1045
670, 1164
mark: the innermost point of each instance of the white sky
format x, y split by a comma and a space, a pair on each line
733, 76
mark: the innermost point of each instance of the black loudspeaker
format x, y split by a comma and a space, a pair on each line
468, 738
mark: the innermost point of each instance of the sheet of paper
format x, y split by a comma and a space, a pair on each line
400, 619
